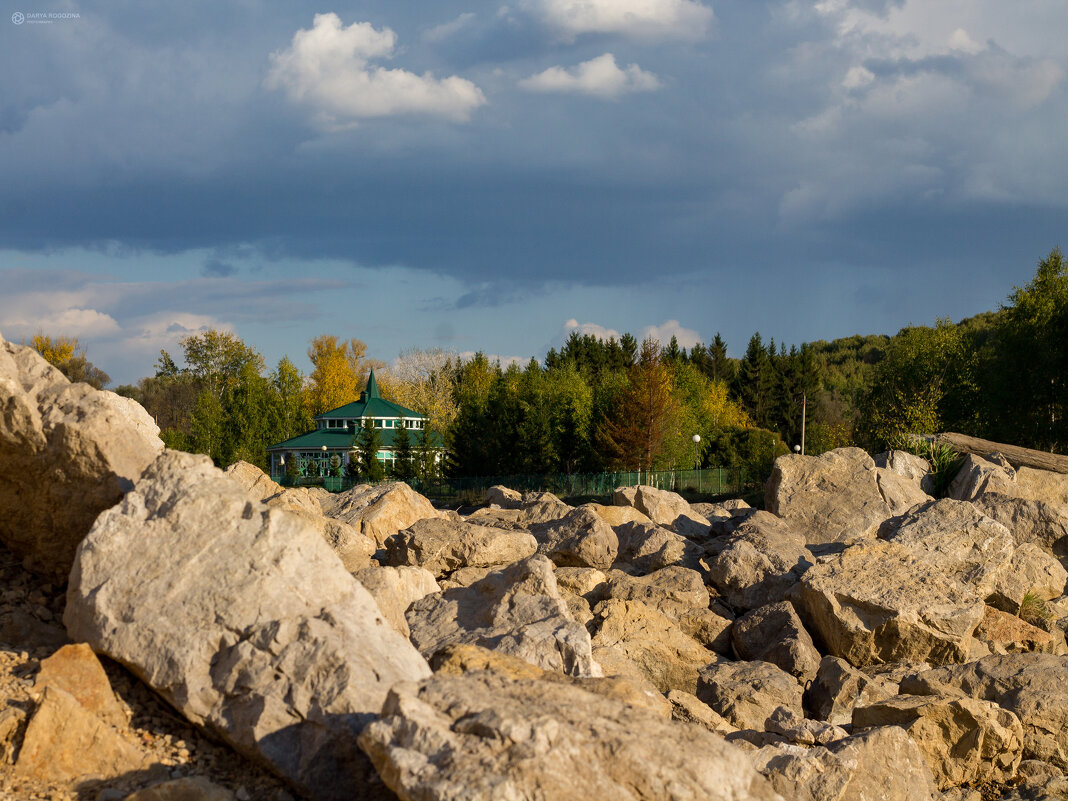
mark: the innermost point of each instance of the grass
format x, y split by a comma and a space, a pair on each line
1033, 610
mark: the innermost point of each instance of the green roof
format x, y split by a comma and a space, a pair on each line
371, 404
341, 439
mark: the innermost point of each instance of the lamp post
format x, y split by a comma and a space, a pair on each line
797, 449
696, 439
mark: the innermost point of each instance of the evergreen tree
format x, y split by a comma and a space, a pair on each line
369, 441
403, 456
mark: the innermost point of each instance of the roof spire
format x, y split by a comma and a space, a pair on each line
372, 386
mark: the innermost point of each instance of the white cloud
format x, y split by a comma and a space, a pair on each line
329, 69
663, 333
960, 40
596, 330
599, 76
441, 32
70, 321
639, 19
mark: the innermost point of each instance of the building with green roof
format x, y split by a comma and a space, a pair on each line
336, 430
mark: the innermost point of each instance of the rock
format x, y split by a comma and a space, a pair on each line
1034, 572
193, 788
647, 547
465, 577
64, 741
503, 497
688, 708
579, 539
484, 737
261, 637
834, 497
900, 493
442, 546
746, 693
395, 589
1042, 485
518, 610
381, 511
1034, 687
839, 687
663, 508
788, 724
12, 729
76, 670
882, 764
759, 563
907, 465
355, 550
1036, 522
774, 634
253, 480
67, 453
541, 507
618, 515
507, 519
881, 602
978, 476
656, 645
456, 660
965, 741
586, 582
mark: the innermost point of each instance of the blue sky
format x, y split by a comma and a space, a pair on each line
490, 176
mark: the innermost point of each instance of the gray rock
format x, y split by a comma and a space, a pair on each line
261, 637
67, 453
518, 610
663, 507
484, 737
907, 465
395, 589
541, 507
978, 476
579, 539
381, 511
441, 546
882, 602
647, 547
775, 634
839, 687
834, 497
759, 563
1037, 522
747, 693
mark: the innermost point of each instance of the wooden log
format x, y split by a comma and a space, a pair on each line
1017, 456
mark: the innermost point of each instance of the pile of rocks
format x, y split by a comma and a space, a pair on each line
857, 639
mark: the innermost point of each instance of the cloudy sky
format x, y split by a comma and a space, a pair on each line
489, 176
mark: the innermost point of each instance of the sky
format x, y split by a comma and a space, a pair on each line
486, 176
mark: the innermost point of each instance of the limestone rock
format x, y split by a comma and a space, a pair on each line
484, 737
395, 589
261, 636
1034, 687
618, 515
834, 497
381, 511
839, 687
907, 465
67, 453
978, 476
518, 610
1042, 485
441, 546
580, 539
1037, 522
899, 493
662, 507
1003, 633
788, 724
688, 708
12, 727
541, 507
499, 495
76, 670
965, 741
775, 634
647, 547
656, 645
64, 741
193, 788
883, 764
881, 602
507, 519
253, 480
759, 563
747, 693
586, 582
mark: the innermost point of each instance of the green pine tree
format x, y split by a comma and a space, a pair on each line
403, 467
369, 441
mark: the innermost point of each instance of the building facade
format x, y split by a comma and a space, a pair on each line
332, 445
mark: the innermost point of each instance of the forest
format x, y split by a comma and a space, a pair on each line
597, 405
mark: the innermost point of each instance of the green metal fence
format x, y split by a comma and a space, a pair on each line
716, 481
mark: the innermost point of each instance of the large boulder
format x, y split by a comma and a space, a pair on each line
655, 644
759, 563
646, 547
965, 741
484, 737
541, 507
839, 687
835, 497
663, 507
882, 764
442, 545
261, 637
774, 634
381, 511
1003, 633
747, 693
978, 476
882, 602
1035, 522
518, 610
505, 498
67, 453
1034, 687
395, 589
581, 538
909, 466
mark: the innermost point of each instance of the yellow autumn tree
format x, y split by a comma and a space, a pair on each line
423, 380
340, 372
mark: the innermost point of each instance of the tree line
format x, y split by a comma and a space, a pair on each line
598, 404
